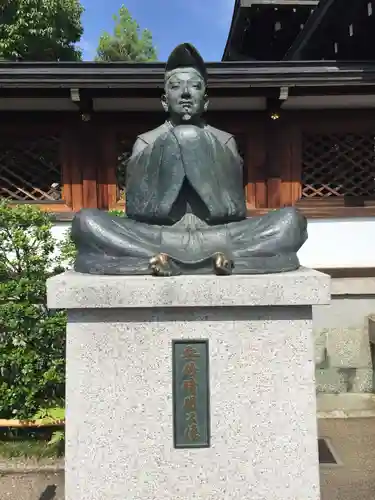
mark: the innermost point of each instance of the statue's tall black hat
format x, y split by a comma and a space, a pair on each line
186, 55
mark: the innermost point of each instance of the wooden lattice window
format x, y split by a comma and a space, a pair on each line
30, 169
338, 165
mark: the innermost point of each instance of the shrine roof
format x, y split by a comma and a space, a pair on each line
301, 30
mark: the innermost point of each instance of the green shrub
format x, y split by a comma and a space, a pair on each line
32, 338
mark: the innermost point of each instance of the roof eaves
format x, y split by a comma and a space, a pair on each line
279, 3
255, 73
312, 24
232, 29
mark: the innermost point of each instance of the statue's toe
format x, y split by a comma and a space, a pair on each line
162, 265
223, 266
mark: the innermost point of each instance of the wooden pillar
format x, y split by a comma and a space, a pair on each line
255, 165
66, 168
90, 156
291, 164
274, 169
283, 163
107, 179
71, 165
81, 154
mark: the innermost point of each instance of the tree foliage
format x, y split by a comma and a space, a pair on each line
32, 338
40, 30
128, 42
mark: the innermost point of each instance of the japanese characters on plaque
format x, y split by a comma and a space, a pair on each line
191, 394
190, 370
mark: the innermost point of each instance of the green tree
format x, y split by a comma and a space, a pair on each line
40, 30
128, 42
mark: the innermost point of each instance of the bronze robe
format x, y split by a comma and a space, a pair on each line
175, 175
185, 198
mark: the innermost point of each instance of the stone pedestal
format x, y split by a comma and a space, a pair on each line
120, 425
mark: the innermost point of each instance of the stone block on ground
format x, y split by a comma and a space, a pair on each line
361, 380
348, 348
371, 328
330, 380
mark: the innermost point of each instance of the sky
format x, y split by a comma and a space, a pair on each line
204, 23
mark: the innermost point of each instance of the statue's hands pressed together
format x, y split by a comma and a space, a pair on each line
183, 132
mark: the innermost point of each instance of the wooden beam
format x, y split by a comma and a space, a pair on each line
27, 424
349, 272
323, 212
277, 3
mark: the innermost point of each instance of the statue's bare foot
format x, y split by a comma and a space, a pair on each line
222, 264
161, 265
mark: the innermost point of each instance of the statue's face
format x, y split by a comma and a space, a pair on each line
185, 95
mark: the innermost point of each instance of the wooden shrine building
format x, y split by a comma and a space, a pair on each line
320, 149
296, 86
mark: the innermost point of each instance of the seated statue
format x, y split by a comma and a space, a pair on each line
185, 202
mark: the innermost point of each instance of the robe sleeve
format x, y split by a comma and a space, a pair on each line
154, 176
138, 147
232, 145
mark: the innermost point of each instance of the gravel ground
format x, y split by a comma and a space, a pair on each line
32, 486
353, 441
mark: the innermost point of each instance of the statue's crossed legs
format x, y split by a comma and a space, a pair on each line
113, 245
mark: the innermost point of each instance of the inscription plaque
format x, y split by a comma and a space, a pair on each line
191, 398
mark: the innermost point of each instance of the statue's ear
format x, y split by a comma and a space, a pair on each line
206, 102
164, 102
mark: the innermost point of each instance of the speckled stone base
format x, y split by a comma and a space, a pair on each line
119, 435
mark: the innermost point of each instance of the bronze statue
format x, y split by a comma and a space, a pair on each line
185, 202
